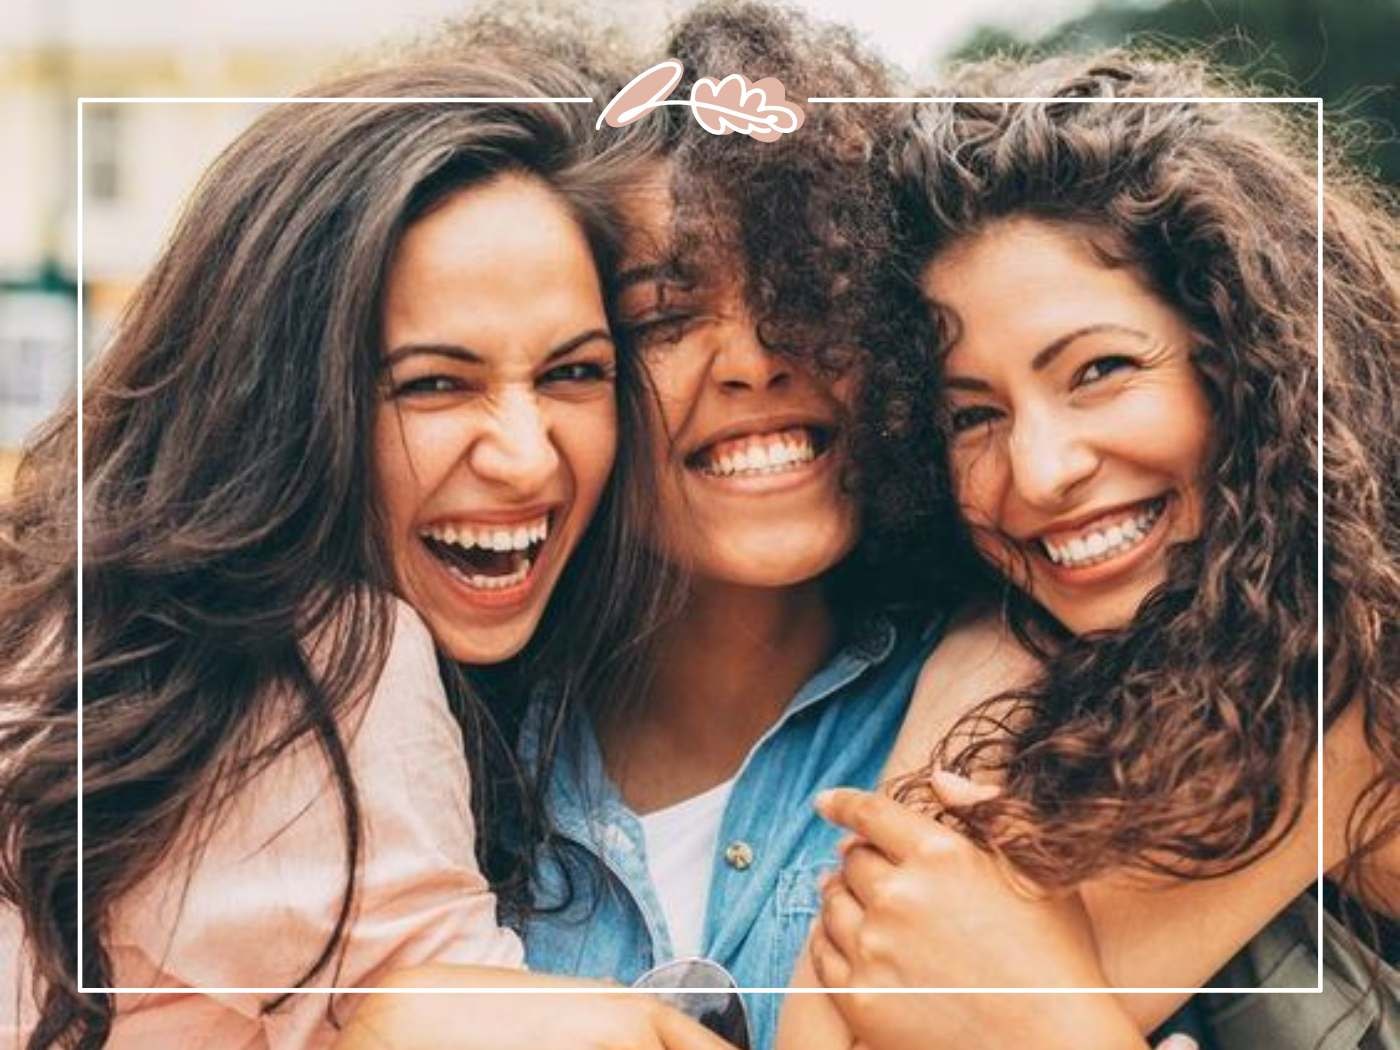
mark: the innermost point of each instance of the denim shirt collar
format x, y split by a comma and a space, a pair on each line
580, 761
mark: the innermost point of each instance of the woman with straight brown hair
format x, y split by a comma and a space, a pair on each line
349, 438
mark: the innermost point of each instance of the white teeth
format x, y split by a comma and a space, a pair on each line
759, 456
494, 583
491, 537
1101, 545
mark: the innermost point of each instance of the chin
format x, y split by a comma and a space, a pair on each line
484, 646
1109, 613
781, 561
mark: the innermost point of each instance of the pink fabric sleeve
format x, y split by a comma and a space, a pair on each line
264, 893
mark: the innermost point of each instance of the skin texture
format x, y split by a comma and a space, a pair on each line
1043, 444
589, 1021
498, 399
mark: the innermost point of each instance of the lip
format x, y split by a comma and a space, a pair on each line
507, 600
762, 425
1118, 565
796, 477
510, 516
1089, 517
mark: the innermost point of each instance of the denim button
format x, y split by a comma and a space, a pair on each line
738, 855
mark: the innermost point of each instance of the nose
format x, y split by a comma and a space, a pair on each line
1050, 460
516, 450
743, 363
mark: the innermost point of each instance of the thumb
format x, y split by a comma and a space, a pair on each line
679, 1032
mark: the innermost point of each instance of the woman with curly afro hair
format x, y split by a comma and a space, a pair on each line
1117, 386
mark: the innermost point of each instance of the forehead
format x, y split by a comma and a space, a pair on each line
502, 260
1027, 276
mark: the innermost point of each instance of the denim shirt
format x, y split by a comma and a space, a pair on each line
838, 730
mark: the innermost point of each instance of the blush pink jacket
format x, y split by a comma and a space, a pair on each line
263, 895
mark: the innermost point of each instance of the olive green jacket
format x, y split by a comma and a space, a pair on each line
1350, 1013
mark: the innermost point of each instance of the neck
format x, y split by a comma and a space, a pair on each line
725, 671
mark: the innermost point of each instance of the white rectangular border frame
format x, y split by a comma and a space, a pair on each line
107, 100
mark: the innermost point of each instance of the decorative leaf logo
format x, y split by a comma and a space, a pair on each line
722, 107
643, 93
760, 110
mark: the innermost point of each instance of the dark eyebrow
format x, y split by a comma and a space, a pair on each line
471, 357
965, 383
1052, 349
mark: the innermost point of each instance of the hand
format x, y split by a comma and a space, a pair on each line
917, 905
484, 1020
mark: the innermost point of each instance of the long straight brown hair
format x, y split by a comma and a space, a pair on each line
228, 508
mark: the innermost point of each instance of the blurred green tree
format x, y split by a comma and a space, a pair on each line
1341, 50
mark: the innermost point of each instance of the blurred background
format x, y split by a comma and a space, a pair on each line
140, 160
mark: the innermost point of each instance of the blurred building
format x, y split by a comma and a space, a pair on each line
139, 163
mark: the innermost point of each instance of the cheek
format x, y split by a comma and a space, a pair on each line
1166, 427
587, 437
979, 479
413, 454
395, 483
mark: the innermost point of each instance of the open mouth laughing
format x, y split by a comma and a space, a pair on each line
488, 556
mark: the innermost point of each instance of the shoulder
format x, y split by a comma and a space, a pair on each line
976, 659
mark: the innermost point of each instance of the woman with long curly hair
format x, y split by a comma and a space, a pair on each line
348, 440
1122, 402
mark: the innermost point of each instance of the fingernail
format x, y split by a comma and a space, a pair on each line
1178, 1041
822, 799
824, 880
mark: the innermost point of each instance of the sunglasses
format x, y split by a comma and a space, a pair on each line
705, 991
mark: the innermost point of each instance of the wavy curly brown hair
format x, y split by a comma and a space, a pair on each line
1180, 743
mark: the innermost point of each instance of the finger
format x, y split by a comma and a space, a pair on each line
841, 920
1178, 1041
862, 872
832, 968
954, 790
882, 821
679, 1032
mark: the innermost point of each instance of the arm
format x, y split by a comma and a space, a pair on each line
1151, 933
1146, 934
994, 936
476, 1019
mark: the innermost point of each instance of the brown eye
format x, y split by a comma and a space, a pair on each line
427, 385
1101, 367
578, 372
964, 419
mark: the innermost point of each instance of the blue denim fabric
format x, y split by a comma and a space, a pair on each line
837, 730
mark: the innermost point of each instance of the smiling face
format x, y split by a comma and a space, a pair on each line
748, 442
1079, 427
498, 425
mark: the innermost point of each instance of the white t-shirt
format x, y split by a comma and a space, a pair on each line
680, 844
